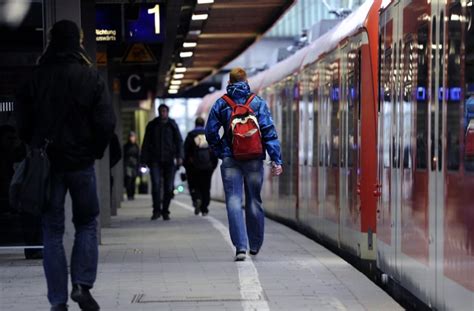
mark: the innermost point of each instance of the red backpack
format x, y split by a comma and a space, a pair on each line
246, 138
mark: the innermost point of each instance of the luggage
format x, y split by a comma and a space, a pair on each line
30, 185
246, 137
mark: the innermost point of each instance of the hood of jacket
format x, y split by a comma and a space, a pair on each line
238, 91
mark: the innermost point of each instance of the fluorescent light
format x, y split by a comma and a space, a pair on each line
189, 44
199, 17
178, 76
172, 91
195, 32
174, 87
205, 1
186, 54
176, 82
180, 69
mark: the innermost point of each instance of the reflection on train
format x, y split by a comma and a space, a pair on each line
383, 169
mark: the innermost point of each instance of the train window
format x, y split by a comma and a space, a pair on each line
421, 96
407, 105
334, 100
468, 134
316, 102
386, 110
442, 94
453, 114
353, 105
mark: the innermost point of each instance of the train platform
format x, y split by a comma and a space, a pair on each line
187, 264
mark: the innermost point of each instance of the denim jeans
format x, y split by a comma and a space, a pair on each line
85, 209
235, 174
165, 171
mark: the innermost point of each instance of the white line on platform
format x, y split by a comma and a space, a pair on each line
251, 290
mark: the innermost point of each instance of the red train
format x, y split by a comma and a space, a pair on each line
374, 122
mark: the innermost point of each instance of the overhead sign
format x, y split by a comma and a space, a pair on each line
132, 86
108, 23
139, 53
148, 27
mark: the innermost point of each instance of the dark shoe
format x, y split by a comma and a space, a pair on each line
83, 297
253, 253
166, 217
204, 213
60, 307
240, 256
155, 216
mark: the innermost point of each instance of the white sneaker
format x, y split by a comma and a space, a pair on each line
240, 256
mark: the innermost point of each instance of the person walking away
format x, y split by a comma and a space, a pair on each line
67, 103
162, 152
199, 162
248, 133
131, 153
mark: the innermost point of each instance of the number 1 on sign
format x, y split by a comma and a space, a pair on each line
156, 10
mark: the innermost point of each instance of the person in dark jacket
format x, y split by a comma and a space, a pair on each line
162, 151
67, 102
131, 157
199, 162
245, 232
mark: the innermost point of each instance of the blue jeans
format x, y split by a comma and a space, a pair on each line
157, 172
234, 175
85, 209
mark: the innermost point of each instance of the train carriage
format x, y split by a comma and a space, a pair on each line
376, 119
426, 212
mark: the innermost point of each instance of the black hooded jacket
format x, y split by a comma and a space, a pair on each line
162, 142
67, 101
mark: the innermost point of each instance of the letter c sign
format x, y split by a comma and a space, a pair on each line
132, 86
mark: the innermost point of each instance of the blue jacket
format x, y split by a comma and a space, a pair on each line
220, 117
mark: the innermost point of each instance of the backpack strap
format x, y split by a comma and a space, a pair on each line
229, 101
249, 100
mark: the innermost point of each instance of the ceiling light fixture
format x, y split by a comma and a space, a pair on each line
186, 54
205, 1
199, 17
172, 91
180, 69
176, 82
178, 76
194, 32
189, 44
174, 87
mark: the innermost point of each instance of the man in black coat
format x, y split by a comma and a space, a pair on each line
162, 151
67, 102
200, 163
131, 159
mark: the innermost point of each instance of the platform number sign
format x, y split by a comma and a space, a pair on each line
148, 27
155, 11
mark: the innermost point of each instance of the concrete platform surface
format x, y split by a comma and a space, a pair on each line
187, 264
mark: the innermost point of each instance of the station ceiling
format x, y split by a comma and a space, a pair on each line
230, 28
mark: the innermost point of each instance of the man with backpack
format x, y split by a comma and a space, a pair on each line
65, 109
199, 162
162, 152
248, 133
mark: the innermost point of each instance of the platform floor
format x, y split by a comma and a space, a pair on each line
187, 264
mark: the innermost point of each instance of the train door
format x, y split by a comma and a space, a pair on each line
313, 159
304, 181
332, 208
389, 220
350, 164
324, 141
455, 221
385, 239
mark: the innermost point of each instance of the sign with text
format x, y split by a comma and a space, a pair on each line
132, 86
148, 27
108, 23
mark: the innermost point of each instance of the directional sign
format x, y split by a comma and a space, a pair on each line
132, 86
139, 53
